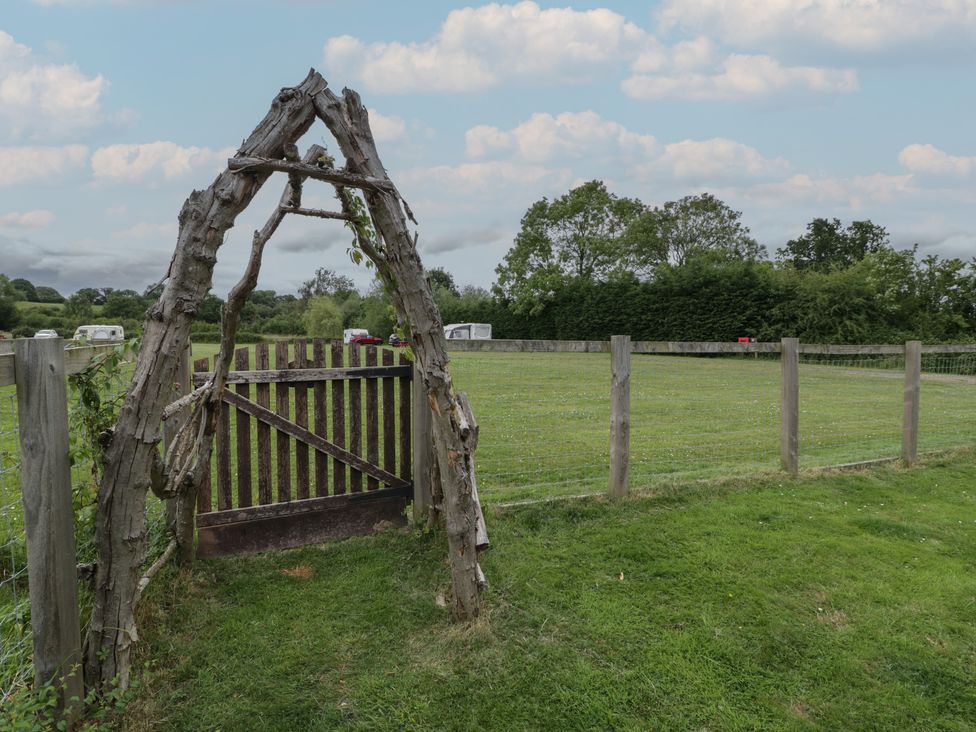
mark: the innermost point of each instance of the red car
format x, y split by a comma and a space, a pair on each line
366, 340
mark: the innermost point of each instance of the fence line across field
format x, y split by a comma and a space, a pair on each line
600, 416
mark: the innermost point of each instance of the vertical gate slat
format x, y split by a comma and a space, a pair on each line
225, 498
338, 420
282, 441
262, 363
204, 497
372, 419
355, 419
301, 419
405, 423
242, 359
389, 418
319, 418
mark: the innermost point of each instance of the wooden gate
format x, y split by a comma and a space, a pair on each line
318, 483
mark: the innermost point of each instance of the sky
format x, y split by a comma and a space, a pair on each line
112, 111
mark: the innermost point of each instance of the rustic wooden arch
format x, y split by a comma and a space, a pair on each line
133, 463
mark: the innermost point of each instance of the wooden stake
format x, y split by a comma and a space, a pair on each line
42, 407
913, 378
790, 397
620, 415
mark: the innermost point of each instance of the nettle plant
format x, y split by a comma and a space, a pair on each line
96, 394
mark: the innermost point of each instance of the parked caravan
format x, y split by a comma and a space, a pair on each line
468, 331
100, 333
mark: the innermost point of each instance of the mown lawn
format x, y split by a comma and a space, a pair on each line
841, 601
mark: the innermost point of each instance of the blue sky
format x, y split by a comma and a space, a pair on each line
112, 111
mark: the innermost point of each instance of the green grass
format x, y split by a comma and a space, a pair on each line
844, 601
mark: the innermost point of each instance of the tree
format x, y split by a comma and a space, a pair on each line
441, 279
328, 283
78, 306
690, 227
25, 288
322, 318
826, 245
124, 304
9, 316
48, 294
575, 237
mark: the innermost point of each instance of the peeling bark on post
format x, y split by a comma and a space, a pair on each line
121, 527
399, 265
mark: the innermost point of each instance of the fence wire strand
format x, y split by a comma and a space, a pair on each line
15, 637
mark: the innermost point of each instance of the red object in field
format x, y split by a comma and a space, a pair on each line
366, 340
745, 340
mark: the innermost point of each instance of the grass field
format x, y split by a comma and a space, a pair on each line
839, 602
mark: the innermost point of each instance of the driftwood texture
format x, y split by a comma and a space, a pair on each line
395, 255
121, 527
204, 220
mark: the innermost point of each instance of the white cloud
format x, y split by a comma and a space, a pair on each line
27, 220
38, 99
854, 193
930, 159
478, 48
24, 164
717, 158
386, 129
545, 137
134, 162
738, 76
860, 25
608, 145
483, 178
146, 230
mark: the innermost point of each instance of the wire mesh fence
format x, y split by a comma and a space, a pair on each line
546, 422
544, 418
850, 408
15, 638
947, 410
696, 417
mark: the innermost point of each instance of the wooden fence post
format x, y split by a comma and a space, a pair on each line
421, 447
913, 378
619, 415
790, 398
172, 426
42, 406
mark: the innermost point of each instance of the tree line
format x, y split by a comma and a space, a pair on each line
589, 264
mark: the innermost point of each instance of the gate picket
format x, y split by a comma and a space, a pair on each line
206, 487
372, 419
261, 363
405, 422
301, 419
389, 418
282, 442
224, 499
355, 419
338, 421
319, 418
242, 363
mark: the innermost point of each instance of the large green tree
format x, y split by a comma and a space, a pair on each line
576, 237
828, 245
328, 283
322, 318
678, 231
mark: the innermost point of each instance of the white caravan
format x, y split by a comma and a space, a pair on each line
100, 333
468, 331
350, 333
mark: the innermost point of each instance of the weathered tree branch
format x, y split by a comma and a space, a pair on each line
395, 254
120, 535
318, 213
315, 172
